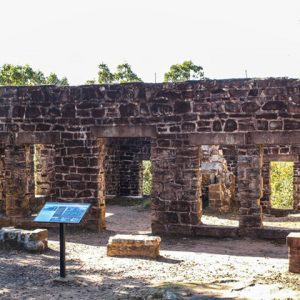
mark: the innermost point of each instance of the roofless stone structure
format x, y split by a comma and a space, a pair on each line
74, 127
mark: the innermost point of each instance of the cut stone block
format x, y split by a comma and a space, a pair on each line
31, 240
134, 245
293, 241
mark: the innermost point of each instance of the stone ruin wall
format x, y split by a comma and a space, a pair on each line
177, 118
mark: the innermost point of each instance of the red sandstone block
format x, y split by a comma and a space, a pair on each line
293, 240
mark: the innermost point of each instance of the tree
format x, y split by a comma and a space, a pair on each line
104, 74
185, 71
25, 75
90, 81
53, 79
124, 74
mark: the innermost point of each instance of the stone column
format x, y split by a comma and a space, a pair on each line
266, 198
19, 180
296, 184
293, 241
2, 181
44, 168
176, 191
101, 184
250, 185
112, 164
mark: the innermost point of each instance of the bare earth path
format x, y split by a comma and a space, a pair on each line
188, 268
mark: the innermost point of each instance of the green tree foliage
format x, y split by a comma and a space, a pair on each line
25, 75
281, 177
185, 71
90, 81
53, 79
104, 74
147, 177
124, 74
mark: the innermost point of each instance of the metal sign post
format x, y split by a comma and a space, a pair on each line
62, 245
62, 213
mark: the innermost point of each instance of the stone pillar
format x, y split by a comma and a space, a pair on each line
76, 174
216, 196
250, 185
101, 143
19, 180
112, 174
293, 241
266, 198
296, 184
2, 181
176, 191
44, 168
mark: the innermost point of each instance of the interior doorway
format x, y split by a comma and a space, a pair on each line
128, 184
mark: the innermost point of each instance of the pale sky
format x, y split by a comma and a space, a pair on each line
225, 37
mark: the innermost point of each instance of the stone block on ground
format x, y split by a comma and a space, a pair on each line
293, 242
30, 240
134, 245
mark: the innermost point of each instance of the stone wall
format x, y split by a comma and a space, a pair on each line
178, 118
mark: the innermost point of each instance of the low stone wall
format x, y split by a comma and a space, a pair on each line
31, 240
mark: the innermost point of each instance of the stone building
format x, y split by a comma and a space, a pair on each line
80, 143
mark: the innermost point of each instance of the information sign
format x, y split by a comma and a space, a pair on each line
59, 212
62, 213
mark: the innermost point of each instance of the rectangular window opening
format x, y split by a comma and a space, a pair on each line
147, 177
281, 184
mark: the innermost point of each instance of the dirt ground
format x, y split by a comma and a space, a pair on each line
187, 269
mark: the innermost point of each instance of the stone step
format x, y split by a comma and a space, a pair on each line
134, 245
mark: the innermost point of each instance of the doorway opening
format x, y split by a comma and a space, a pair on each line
218, 188
128, 182
43, 166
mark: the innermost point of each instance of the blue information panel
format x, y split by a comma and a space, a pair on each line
59, 212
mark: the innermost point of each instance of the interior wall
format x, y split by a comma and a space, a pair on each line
123, 165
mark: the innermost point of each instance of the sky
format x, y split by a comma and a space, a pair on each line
225, 37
